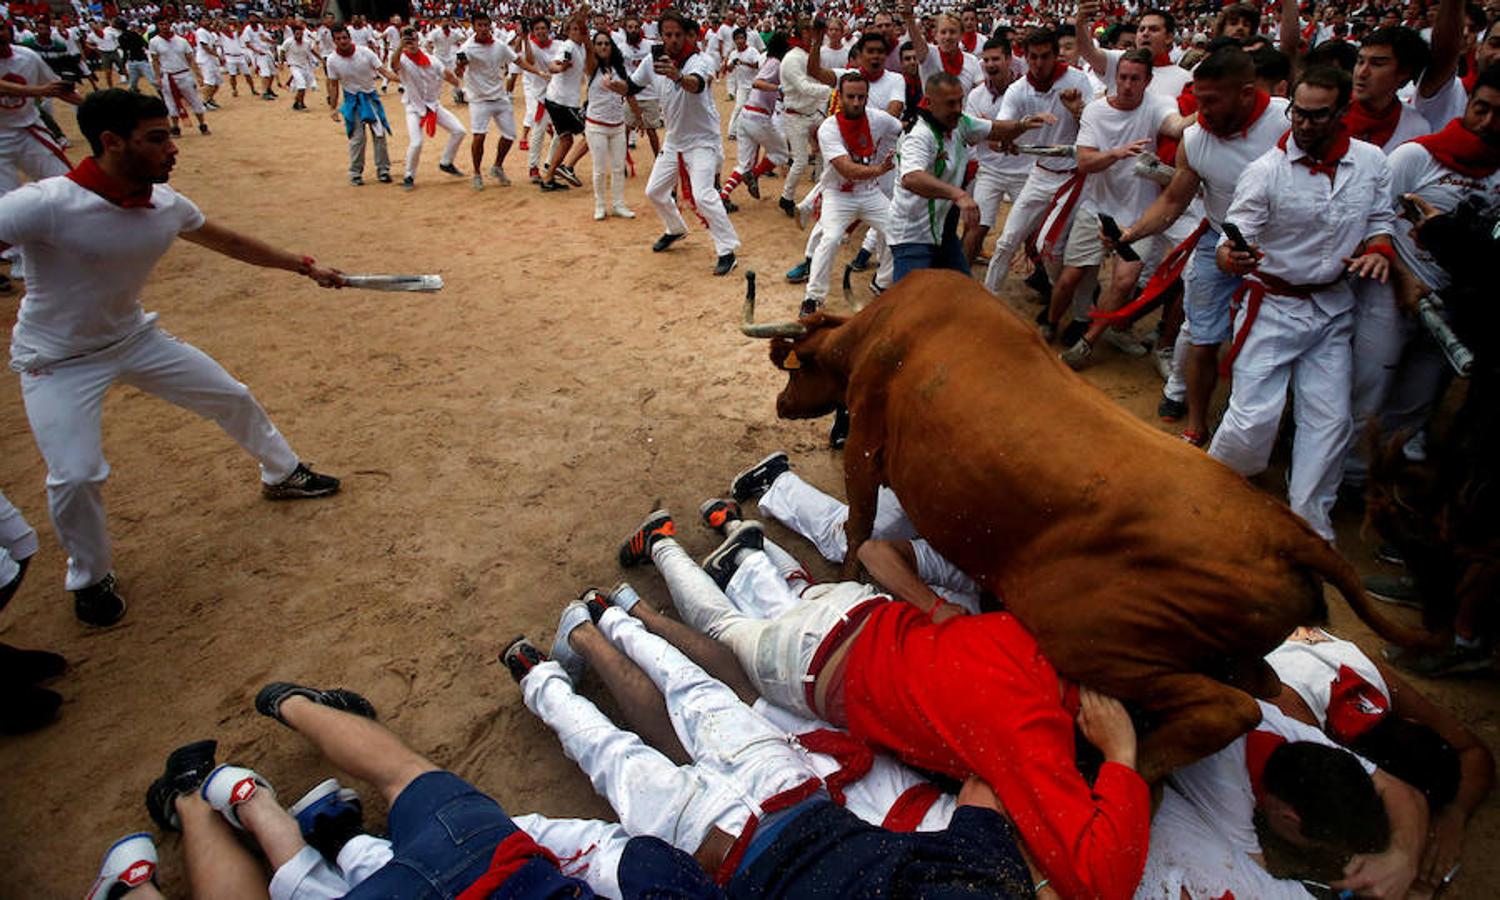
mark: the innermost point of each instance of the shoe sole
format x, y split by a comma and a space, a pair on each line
733, 492
297, 494
719, 273
318, 791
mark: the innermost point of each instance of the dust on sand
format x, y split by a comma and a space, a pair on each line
496, 441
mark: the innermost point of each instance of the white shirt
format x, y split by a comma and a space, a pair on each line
533, 84
484, 77
107, 40
302, 55
887, 89
1415, 171
800, 92
916, 219
1219, 162
1442, 107
633, 56
207, 45
362, 36
356, 72
971, 74
983, 104
1117, 191
1190, 857
692, 120
251, 38
87, 261
391, 38
742, 65
1167, 81
1022, 99
834, 58
231, 45
605, 106
24, 66
423, 85
444, 43
325, 40
1219, 785
172, 53
1311, 667
1305, 224
764, 101
565, 88
885, 129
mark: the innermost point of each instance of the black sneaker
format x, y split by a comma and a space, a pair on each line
1397, 590
1169, 410
875, 288
408, 183
551, 186
595, 602
1074, 333
569, 176
861, 260
301, 484
1039, 282
99, 604
809, 306
520, 657
185, 770
725, 265
383, 178
1386, 553
666, 241
787, 207
719, 512
637, 547
19, 666
450, 169
357, 180
268, 701
26, 708
209, 104
8, 590
328, 816
838, 435
721, 563
729, 205
752, 186
755, 480
203, 128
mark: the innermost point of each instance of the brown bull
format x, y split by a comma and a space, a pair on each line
1145, 569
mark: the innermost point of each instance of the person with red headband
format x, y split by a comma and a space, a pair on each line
948, 56
1313, 208
693, 151
171, 58
353, 69
422, 78
91, 239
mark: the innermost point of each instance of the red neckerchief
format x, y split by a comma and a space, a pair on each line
969, 40
89, 176
1376, 128
1058, 70
1461, 150
486, 42
681, 59
1329, 164
1161, 59
993, 93
340, 51
418, 57
796, 42
539, 44
952, 64
1354, 706
871, 77
856, 135
1262, 101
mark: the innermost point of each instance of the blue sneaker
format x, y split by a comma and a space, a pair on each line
328, 815
574, 614
798, 274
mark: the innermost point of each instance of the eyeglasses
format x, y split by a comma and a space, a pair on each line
1316, 116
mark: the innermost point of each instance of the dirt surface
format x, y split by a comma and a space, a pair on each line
496, 441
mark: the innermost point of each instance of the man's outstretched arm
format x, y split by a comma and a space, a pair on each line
256, 252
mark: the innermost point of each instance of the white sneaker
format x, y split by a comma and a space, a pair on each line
598, 214
1078, 355
478, 182
130, 862
623, 212
562, 653
499, 175
228, 786
1125, 341
1162, 359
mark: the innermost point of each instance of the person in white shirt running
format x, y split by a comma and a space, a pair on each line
91, 239
171, 57
301, 56
210, 59
564, 100
482, 63
237, 59
443, 42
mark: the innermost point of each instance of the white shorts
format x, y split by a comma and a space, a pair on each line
209, 69
29, 151
236, 65
302, 78
180, 91
502, 112
263, 66
990, 188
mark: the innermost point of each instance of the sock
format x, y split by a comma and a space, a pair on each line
731, 183
763, 167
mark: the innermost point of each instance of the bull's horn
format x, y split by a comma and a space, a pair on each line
765, 329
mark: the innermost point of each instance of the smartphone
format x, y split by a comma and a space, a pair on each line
567, 56
658, 51
1109, 226
1410, 211
1232, 232
69, 86
463, 58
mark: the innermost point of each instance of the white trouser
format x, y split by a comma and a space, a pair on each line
840, 210
500, 111
991, 188
766, 584
820, 518
607, 152
1025, 216
702, 164
180, 91
17, 541
1176, 386
236, 65
308, 876
265, 66
209, 69
758, 131
741, 95
1292, 341
800, 131
586, 849
302, 78
537, 118
775, 653
65, 401
416, 137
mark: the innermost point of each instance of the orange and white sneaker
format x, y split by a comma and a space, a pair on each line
717, 512
128, 863
228, 786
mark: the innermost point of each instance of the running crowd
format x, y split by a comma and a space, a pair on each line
1246, 179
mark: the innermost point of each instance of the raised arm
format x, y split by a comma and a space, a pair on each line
1088, 50
815, 69
1165, 209
1447, 44
914, 31
1291, 29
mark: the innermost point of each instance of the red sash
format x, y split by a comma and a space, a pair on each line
1461, 150
854, 758
911, 807
784, 800
510, 855
1252, 292
1167, 273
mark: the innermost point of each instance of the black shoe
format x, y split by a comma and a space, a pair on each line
176, 131
357, 180
861, 260
839, 433
809, 306
301, 484
787, 207
450, 169
1397, 590
637, 547
729, 205
725, 265
595, 602
27, 708
550, 186
383, 178
569, 175
408, 183
203, 128
752, 186
9, 589
99, 604
268, 701
1039, 282
185, 770
209, 104
875, 288
1386, 553
1169, 410
520, 657
666, 241
29, 666
1074, 333
719, 512
755, 480
721, 563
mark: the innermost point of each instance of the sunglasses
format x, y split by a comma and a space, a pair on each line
1316, 116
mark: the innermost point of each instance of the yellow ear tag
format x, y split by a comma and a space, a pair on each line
791, 361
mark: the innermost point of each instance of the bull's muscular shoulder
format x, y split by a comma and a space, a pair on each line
939, 310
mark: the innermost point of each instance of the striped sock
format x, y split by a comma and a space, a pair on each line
731, 183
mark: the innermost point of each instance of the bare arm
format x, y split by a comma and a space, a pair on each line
1176, 124
1010, 129
858, 171
1088, 50
815, 69
893, 566
914, 31
256, 252
1447, 42
1391, 872
1165, 209
1091, 159
1291, 31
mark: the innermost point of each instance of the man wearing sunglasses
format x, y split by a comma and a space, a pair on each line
1311, 209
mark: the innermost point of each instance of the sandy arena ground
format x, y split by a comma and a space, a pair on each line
496, 441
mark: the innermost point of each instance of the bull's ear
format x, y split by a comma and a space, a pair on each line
791, 361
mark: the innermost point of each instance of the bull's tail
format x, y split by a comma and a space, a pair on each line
849, 288
1327, 563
